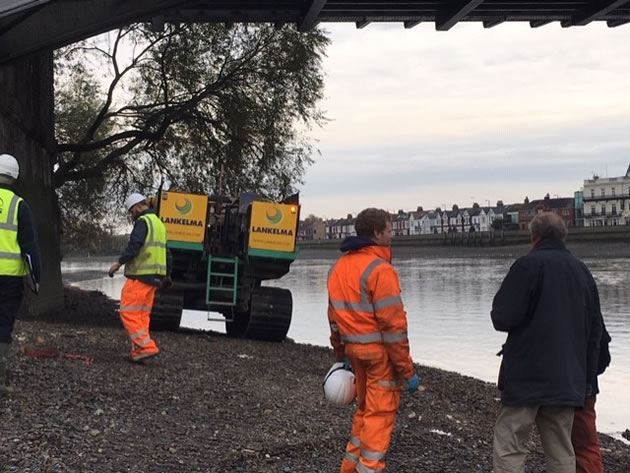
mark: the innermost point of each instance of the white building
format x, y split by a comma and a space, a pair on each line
415, 222
607, 201
479, 219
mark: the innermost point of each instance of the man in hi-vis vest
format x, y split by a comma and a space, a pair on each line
146, 268
19, 254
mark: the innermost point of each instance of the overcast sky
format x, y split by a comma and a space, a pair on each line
419, 117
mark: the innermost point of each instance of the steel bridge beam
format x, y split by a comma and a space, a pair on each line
310, 18
539, 23
493, 23
597, 10
411, 23
58, 24
448, 19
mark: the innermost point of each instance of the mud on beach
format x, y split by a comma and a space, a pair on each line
209, 403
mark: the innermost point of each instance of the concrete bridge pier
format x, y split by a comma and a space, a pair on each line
26, 131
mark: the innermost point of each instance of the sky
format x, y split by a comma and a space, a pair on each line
426, 118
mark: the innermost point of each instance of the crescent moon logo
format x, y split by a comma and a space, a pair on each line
274, 218
183, 206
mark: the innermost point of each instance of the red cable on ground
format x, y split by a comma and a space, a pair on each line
54, 353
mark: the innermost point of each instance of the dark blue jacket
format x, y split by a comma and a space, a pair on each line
355, 243
549, 306
604, 357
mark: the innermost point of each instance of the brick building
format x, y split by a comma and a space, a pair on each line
563, 206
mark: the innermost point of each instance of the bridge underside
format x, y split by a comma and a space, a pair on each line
28, 26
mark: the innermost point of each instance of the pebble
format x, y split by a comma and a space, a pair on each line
199, 408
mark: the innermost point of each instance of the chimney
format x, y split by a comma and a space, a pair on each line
526, 200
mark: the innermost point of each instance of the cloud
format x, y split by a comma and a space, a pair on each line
424, 116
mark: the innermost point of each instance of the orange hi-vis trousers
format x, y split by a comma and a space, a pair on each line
588, 456
378, 394
136, 303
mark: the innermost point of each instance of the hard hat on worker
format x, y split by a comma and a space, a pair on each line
9, 166
134, 199
339, 385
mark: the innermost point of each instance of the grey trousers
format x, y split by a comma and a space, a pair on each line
512, 429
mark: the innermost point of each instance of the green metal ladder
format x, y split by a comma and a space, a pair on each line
224, 280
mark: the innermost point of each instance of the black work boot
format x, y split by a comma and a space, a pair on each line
4, 354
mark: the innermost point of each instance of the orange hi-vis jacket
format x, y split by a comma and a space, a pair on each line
365, 306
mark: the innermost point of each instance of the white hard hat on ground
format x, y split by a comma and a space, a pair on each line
134, 199
9, 166
339, 385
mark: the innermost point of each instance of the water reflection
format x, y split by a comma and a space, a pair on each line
448, 303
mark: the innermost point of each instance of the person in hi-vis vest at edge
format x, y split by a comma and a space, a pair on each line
19, 257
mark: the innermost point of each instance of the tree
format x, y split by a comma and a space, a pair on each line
202, 108
313, 219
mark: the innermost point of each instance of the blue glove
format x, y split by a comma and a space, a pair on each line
413, 384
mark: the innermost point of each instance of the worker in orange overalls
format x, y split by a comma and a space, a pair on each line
588, 455
146, 268
369, 327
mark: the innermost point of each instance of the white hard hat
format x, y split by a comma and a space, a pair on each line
134, 199
9, 166
339, 385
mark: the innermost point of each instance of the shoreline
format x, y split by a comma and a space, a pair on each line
580, 249
212, 403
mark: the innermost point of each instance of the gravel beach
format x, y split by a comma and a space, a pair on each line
209, 403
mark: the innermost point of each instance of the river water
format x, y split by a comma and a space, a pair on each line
448, 302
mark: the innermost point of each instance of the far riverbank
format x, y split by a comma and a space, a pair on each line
410, 248
617, 235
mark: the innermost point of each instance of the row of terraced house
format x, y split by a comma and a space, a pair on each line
601, 202
423, 222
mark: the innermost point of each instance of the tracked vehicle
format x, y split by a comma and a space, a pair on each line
222, 250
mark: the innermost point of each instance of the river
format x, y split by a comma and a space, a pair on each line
448, 301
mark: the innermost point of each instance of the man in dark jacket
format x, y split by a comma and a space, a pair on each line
548, 305
19, 256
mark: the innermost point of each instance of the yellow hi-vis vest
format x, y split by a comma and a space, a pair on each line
151, 259
11, 261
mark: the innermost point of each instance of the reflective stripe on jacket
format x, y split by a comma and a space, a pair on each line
11, 261
151, 259
365, 306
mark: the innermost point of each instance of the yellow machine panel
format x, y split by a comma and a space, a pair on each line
273, 226
184, 216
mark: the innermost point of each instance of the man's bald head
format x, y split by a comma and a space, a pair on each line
548, 226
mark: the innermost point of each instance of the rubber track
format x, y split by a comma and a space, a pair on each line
167, 311
270, 314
